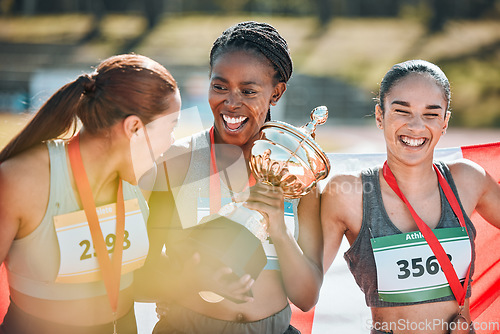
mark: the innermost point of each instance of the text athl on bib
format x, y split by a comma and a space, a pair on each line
407, 269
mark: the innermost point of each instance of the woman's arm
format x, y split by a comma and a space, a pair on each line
304, 289
24, 194
477, 190
341, 213
300, 262
9, 219
489, 199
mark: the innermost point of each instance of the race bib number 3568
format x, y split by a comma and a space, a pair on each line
78, 258
408, 271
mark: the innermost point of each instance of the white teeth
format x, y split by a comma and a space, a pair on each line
233, 120
412, 142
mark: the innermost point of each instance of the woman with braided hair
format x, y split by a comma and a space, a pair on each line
250, 65
58, 217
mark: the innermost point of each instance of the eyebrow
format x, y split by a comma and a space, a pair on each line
433, 106
219, 78
401, 103
244, 83
406, 104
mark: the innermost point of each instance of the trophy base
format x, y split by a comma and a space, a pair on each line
222, 242
211, 297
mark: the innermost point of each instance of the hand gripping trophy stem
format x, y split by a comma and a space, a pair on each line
287, 157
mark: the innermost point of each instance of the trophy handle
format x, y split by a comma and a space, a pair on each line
288, 156
319, 115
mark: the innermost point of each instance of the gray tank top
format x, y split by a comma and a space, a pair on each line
376, 223
33, 261
191, 199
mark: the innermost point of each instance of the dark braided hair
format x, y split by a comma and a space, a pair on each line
261, 37
258, 37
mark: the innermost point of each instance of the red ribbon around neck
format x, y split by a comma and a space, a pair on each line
215, 197
459, 290
110, 269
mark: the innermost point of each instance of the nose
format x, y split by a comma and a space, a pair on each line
416, 123
233, 100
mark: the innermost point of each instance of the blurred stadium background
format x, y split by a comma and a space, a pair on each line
341, 49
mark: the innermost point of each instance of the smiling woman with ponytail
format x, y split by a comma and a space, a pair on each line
54, 193
412, 250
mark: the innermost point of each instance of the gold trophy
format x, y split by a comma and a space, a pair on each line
284, 156
287, 157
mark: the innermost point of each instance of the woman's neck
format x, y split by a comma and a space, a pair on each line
413, 179
233, 161
101, 164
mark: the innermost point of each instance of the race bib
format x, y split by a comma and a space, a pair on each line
408, 271
78, 258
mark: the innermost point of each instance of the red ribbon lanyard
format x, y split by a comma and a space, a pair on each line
111, 270
215, 200
215, 197
459, 290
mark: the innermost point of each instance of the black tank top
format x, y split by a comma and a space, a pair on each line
376, 223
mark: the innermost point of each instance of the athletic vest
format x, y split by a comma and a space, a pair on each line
33, 261
376, 223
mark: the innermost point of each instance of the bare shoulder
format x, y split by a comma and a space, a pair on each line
344, 187
465, 168
471, 181
23, 172
477, 189
24, 181
467, 175
342, 194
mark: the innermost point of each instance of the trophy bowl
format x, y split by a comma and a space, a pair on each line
289, 157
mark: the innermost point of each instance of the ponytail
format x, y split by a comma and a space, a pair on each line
55, 118
122, 85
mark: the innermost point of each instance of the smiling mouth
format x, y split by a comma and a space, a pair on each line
412, 142
234, 123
